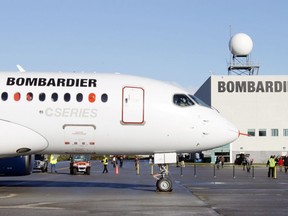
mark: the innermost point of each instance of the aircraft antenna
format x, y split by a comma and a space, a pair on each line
21, 69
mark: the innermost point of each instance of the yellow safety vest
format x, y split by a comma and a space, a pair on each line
271, 162
105, 161
53, 159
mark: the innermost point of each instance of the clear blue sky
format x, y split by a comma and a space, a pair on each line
180, 41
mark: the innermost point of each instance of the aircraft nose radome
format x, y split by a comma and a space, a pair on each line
231, 133
19, 140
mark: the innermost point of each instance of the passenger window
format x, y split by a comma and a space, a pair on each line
54, 97
29, 96
79, 97
182, 100
67, 97
4, 96
17, 96
92, 97
104, 98
42, 96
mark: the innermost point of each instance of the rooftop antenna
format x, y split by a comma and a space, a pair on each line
240, 46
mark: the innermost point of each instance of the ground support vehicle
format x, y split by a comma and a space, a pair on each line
80, 163
40, 163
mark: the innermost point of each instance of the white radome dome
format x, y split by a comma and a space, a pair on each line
240, 44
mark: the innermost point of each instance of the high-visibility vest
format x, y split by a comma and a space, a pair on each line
105, 161
271, 162
53, 159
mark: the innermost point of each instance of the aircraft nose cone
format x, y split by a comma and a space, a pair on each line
232, 133
222, 131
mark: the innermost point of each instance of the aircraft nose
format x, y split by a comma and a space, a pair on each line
221, 130
228, 130
232, 133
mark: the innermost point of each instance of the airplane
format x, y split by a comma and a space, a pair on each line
105, 114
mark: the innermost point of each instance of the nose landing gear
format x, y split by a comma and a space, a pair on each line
164, 184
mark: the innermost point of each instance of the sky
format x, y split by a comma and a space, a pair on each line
178, 41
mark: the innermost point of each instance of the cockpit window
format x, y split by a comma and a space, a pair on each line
198, 101
182, 100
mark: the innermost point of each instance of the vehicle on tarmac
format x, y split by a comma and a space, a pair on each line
80, 164
40, 163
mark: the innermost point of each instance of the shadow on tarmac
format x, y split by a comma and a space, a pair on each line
31, 183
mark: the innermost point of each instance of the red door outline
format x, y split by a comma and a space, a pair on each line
132, 105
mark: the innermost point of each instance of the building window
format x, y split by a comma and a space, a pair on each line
262, 132
285, 132
251, 132
274, 132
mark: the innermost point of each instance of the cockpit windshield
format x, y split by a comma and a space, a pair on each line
182, 100
199, 101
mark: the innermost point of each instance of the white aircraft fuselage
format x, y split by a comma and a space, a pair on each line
68, 113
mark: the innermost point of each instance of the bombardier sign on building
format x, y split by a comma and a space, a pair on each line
252, 86
258, 106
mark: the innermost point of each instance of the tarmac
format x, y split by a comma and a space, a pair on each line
197, 190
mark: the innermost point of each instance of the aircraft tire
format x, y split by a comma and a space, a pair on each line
74, 171
164, 185
87, 171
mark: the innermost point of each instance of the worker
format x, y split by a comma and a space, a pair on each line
105, 164
271, 164
53, 162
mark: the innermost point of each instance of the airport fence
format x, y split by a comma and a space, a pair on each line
228, 170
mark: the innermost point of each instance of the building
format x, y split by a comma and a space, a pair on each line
258, 106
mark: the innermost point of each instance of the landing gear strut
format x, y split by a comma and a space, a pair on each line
163, 184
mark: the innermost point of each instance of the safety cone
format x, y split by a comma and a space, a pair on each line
116, 170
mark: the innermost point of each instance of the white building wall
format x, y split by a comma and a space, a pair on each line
252, 102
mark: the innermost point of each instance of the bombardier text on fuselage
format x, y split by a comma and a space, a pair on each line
59, 82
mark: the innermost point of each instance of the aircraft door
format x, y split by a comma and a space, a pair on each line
132, 105
80, 137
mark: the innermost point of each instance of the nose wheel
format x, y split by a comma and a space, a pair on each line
164, 184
